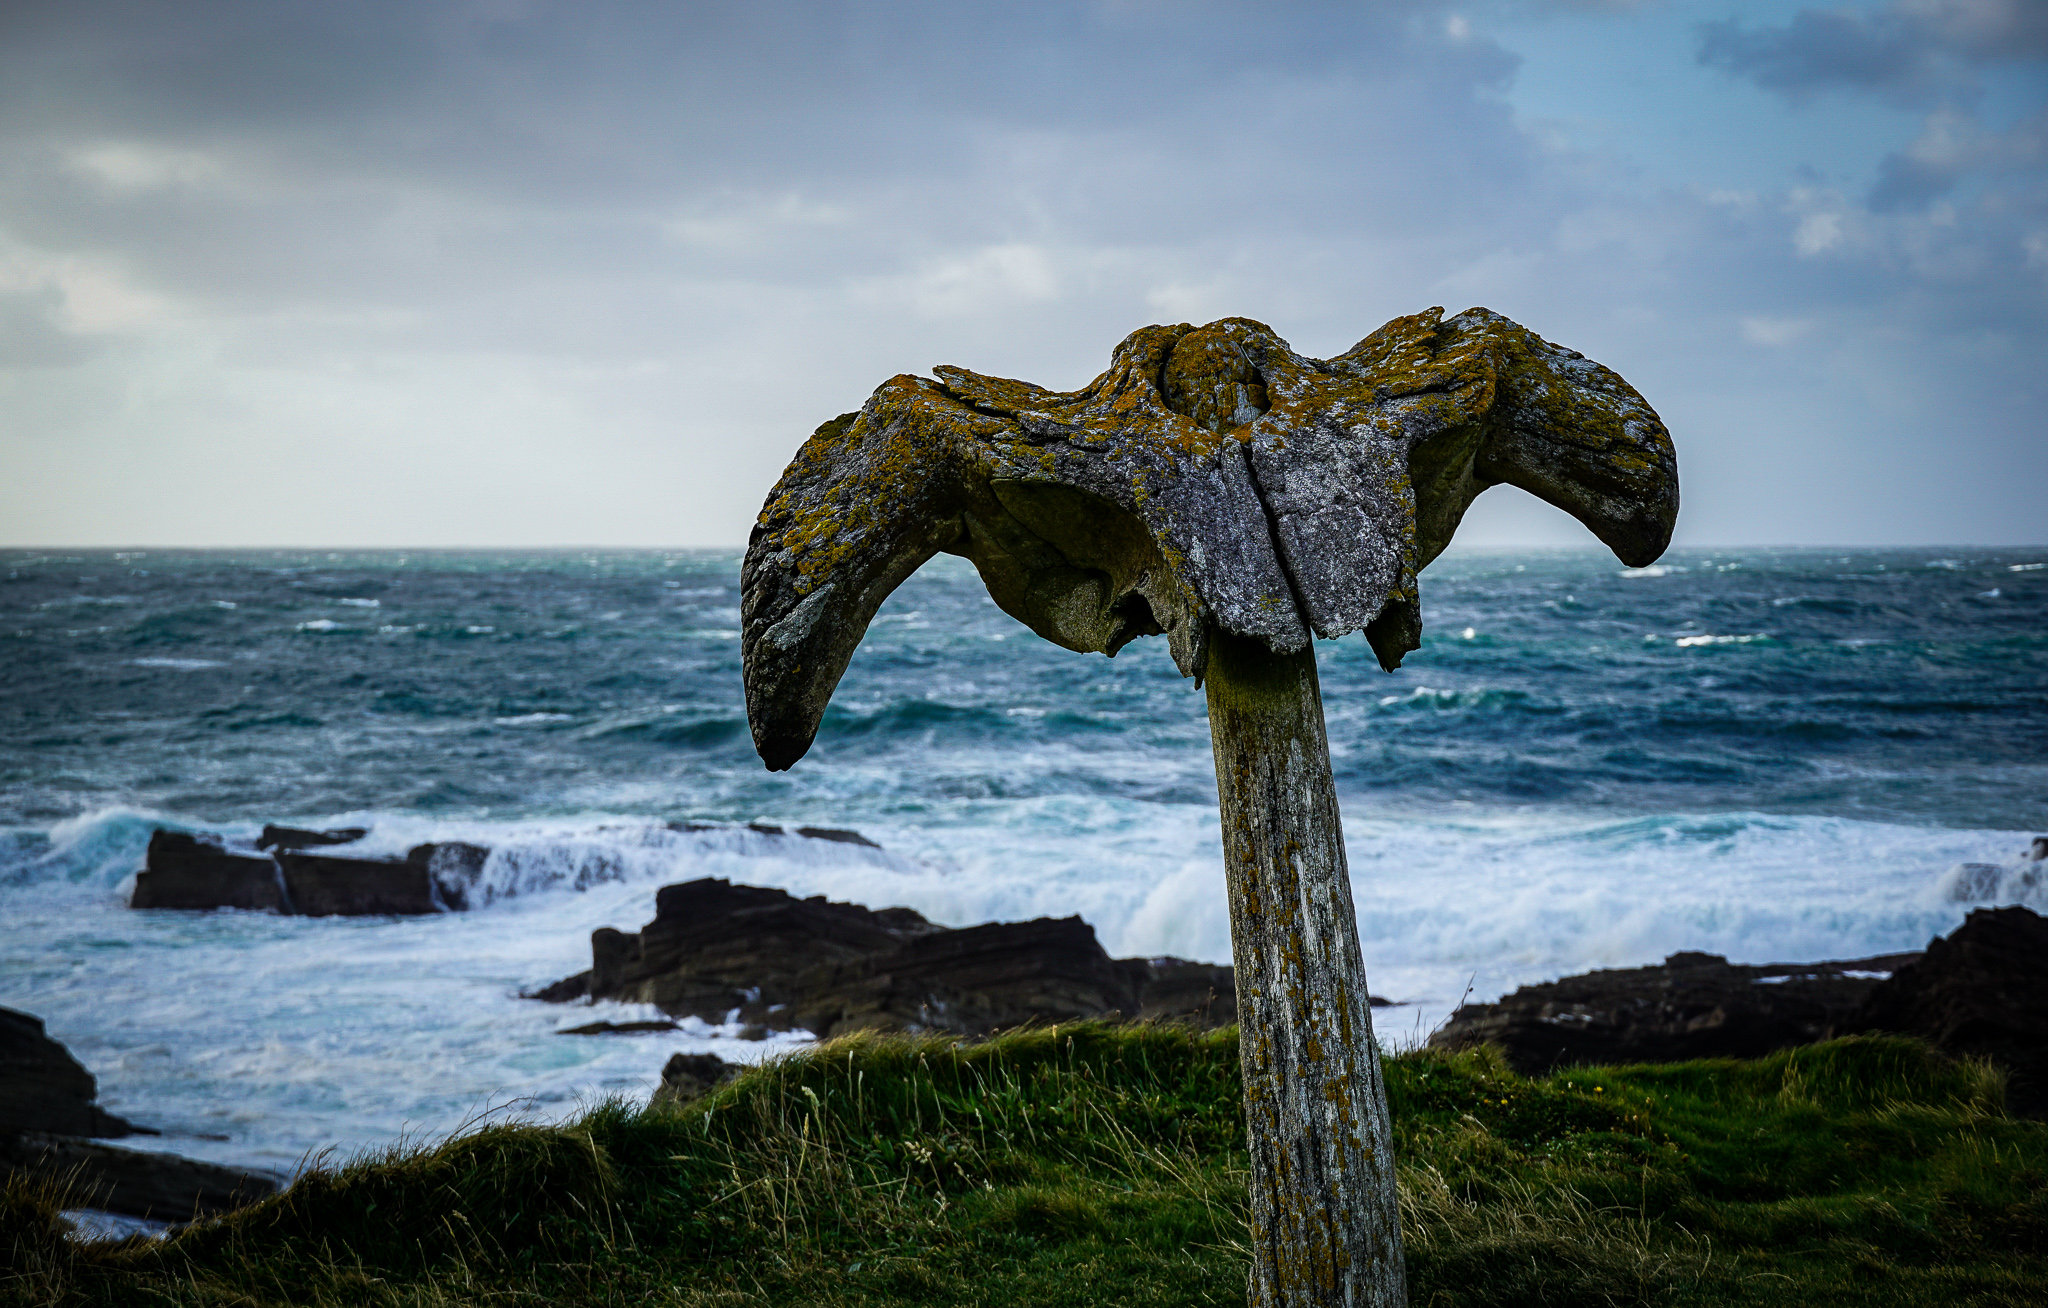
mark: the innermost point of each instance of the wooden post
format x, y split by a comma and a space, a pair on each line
1325, 1216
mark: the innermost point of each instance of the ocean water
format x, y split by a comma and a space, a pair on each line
1776, 755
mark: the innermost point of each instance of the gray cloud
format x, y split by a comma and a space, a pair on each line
501, 270
1911, 52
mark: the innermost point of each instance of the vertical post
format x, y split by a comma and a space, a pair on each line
1325, 1216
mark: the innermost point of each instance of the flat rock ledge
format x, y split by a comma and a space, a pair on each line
727, 953
280, 875
48, 1112
1981, 991
295, 871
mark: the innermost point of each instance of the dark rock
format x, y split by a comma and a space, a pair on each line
1981, 990
43, 1088
692, 1076
972, 981
321, 885
1693, 1005
186, 871
714, 947
276, 837
719, 951
46, 1104
140, 1184
835, 834
618, 1028
567, 990
1175, 990
453, 867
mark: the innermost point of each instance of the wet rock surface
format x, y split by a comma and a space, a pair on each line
47, 1110
136, 1182
723, 952
43, 1088
292, 870
1982, 990
1692, 1005
323, 885
276, 837
185, 871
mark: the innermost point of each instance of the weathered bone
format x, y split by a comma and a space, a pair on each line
1212, 479
1215, 486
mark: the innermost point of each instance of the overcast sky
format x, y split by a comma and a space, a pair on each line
519, 273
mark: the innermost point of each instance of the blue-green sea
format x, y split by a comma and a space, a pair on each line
1772, 754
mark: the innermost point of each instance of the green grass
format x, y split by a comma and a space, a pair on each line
1105, 1165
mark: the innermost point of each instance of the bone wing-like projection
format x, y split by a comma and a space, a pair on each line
1210, 479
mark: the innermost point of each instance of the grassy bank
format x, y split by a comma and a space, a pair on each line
1096, 1165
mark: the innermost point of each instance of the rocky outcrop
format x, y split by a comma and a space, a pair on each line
322, 885
692, 1076
283, 873
723, 952
276, 837
1692, 1005
43, 1088
186, 871
1982, 990
47, 1107
135, 1182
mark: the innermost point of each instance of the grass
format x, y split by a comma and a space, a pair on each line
1104, 1165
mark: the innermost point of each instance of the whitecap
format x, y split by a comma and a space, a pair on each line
184, 665
1654, 570
1687, 642
320, 624
528, 719
2025, 567
361, 603
2024, 881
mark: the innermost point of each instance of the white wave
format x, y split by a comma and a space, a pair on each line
320, 624
2023, 881
1690, 642
532, 719
288, 1034
186, 665
361, 603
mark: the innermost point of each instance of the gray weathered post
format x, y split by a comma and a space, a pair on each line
1325, 1215
1220, 489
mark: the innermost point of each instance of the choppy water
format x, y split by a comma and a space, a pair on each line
1770, 754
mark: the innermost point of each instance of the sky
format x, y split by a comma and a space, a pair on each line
513, 273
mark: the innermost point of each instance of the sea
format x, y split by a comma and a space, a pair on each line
1776, 755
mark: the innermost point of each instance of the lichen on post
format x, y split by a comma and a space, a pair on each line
1240, 499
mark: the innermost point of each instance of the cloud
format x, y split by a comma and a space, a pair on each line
1951, 147
474, 271
1912, 53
